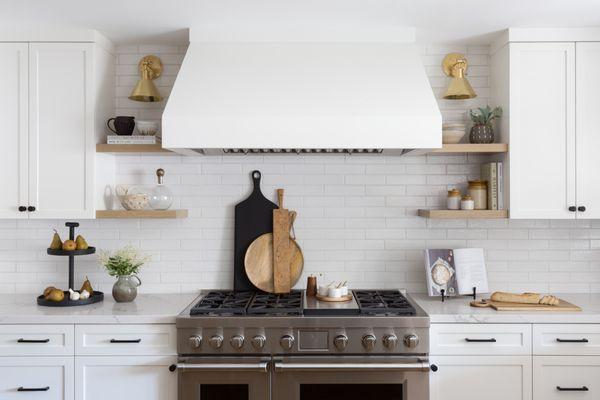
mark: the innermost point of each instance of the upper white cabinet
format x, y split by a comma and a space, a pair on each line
61, 136
550, 92
542, 130
13, 120
587, 120
53, 105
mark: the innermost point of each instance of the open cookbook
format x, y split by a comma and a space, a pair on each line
456, 271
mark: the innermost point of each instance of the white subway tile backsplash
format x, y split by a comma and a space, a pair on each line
356, 214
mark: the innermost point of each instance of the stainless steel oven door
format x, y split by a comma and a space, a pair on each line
223, 378
350, 378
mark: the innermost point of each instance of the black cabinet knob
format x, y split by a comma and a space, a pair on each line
22, 208
31, 208
572, 208
581, 208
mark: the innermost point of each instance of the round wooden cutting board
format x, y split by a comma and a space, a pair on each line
258, 263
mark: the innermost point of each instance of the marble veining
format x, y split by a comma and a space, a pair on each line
146, 309
458, 310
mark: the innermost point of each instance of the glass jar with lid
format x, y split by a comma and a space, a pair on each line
478, 191
161, 197
453, 199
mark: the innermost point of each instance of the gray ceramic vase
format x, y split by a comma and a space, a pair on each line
481, 134
125, 288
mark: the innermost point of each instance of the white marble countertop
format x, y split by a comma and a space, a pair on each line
458, 310
145, 309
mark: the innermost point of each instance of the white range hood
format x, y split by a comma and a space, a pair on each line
334, 97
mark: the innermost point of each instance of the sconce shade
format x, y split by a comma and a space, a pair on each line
455, 66
150, 68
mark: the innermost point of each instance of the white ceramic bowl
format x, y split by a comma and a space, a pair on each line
334, 292
147, 128
344, 290
454, 136
323, 290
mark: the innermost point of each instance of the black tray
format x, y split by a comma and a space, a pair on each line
60, 252
67, 302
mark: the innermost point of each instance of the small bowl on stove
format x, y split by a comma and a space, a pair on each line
344, 290
323, 290
335, 292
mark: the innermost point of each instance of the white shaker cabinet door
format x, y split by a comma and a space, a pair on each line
13, 124
61, 142
542, 130
588, 130
481, 377
125, 377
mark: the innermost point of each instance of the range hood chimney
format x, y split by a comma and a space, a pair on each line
298, 96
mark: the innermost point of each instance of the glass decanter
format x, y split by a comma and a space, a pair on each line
161, 197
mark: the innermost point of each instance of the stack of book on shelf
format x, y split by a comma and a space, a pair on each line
131, 139
493, 174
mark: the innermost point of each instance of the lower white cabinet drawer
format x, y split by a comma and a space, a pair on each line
36, 340
39, 378
480, 339
128, 377
566, 339
145, 339
566, 377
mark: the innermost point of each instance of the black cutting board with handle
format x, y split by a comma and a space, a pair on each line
253, 217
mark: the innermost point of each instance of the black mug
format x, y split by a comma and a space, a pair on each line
122, 125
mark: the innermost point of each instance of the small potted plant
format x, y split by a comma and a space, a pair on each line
124, 264
482, 130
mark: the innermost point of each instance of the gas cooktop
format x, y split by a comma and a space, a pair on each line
364, 302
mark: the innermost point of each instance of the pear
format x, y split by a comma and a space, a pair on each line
69, 245
87, 286
81, 243
48, 290
56, 241
55, 295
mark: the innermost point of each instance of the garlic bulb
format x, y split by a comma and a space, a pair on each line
84, 295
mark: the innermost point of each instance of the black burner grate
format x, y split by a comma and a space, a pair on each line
223, 302
277, 304
388, 302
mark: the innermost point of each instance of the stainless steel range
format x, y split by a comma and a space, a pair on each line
253, 346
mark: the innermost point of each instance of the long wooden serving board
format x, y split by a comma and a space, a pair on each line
563, 306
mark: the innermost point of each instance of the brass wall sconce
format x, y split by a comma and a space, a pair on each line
455, 66
150, 68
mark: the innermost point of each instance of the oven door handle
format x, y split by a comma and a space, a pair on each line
254, 367
281, 366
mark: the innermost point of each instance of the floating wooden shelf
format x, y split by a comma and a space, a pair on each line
472, 148
464, 214
131, 148
141, 214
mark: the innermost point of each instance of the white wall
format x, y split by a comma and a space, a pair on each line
357, 215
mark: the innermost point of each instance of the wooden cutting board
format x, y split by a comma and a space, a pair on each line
282, 247
259, 263
253, 218
563, 306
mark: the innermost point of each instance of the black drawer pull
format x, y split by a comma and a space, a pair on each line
125, 341
559, 340
21, 340
569, 389
40, 389
491, 340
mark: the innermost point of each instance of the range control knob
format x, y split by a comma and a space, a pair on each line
195, 341
390, 341
237, 341
411, 341
216, 342
258, 342
287, 342
368, 341
340, 342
